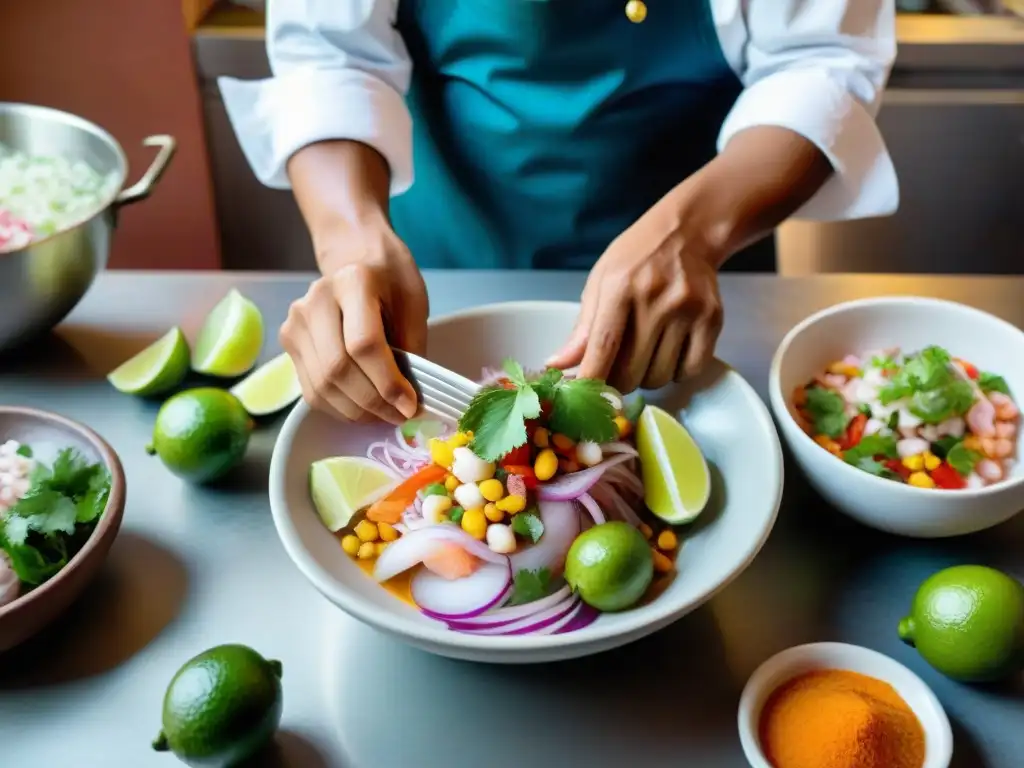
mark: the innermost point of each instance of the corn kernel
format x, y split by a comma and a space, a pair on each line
931, 461
914, 463
541, 437
921, 480
492, 489
568, 466
440, 452
367, 550
546, 465
387, 532
828, 444
492, 513
350, 544
562, 443
645, 529
623, 425
474, 523
662, 563
459, 439
972, 443
844, 369
451, 483
380, 546
511, 504
667, 541
366, 531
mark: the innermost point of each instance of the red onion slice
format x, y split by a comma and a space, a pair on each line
556, 626
570, 487
531, 624
561, 527
501, 616
415, 546
619, 447
608, 497
631, 481
592, 507
586, 616
455, 599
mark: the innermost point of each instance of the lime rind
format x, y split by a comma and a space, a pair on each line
157, 369
270, 388
677, 482
231, 338
343, 485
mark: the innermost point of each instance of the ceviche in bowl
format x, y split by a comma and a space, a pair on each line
902, 412
557, 518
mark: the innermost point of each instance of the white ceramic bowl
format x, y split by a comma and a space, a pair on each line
807, 658
723, 413
910, 323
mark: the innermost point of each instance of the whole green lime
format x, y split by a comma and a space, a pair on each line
201, 434
610, 566
968, 623
221, 707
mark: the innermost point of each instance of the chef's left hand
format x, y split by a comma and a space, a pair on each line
650, 311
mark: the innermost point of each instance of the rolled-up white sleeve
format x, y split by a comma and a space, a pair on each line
818, 68
340, 71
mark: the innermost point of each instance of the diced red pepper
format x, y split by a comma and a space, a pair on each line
854, 432
524, 472
517, 456
946, 477
970, 369
897, 466
505, 383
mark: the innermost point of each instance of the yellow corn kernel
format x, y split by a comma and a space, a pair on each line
931, 461
562, 443
546, 465
972, 443
844, 369
667, 541
440, 452
921, 480
492, 513
380, 546
511, 504
645, 529
828, 444
350, 544
623, 425
569, 466
451, 483
492, 489
475, 523
459, 440
367, 550
914, 463
541, 437
662, 563
366, 531
387, 532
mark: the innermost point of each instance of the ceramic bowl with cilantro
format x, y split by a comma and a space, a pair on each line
902, 412
61, 500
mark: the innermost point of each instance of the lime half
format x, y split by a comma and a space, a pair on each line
677, 483
271, 387
231, 338
158, 368
343, 485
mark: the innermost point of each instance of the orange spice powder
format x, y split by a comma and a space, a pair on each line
840, 719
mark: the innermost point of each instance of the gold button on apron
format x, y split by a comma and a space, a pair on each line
636, 11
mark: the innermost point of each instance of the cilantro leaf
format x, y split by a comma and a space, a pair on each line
497, 417
927, 370
894, 421
865, 409
515, 372
885, 363
877, 468
936, 405
990, 382
634, 407
33, 565
528, 525
25, 451
581, 412
426, 428
547, 383
45, 511
962, 459
944, 445
529, 586
828, 409
871, 446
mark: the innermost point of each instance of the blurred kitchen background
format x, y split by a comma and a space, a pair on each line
953, 118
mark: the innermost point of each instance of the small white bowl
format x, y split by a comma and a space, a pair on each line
910, 323
801, 659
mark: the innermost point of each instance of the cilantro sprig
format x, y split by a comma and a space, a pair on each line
828, 410
497, 415
529, 586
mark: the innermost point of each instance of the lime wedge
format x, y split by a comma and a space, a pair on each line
158, 368
677, 483
271, 387
231, 338
343, 485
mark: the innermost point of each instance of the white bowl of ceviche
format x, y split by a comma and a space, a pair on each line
901, 411
494, 581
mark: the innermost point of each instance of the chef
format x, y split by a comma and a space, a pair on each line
651, 143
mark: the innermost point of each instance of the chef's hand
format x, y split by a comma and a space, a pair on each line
338, 334
650, 311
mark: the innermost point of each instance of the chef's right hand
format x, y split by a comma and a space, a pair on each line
339, 334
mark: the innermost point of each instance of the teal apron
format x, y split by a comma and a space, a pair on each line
542, 129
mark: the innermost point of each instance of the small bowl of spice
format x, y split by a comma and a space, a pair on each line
832, 705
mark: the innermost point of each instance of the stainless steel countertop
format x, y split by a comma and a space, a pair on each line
196, 567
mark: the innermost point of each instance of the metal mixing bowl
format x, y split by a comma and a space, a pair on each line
41, 283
